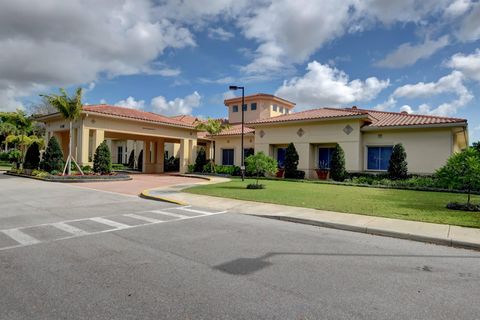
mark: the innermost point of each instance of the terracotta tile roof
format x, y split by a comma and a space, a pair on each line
186, 119
395, 119
322, 113
135, 114
236, 129
375, 118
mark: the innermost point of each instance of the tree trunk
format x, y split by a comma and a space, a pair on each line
212, 167
70, 144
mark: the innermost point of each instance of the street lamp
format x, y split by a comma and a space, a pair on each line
242, 167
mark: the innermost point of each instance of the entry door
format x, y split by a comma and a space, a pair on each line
281, 157
120, 154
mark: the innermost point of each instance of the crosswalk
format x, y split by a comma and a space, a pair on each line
49, 232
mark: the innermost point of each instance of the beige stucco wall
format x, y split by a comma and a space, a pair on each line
427, 149
264, 110
233, 142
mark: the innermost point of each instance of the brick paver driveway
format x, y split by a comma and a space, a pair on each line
139, 183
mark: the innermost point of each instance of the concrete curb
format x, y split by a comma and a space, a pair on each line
146, 195
72, 180
379, 232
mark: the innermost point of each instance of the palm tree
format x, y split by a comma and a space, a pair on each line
213, 127
7, 129
70, 108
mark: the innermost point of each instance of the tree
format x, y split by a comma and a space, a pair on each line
7, 129
461, 172
261, 164
102, 159
32, 157
476, 145
213, 127
70, 108
201, 160
397, 165
291, 162
53, 157
23, 126
337, 164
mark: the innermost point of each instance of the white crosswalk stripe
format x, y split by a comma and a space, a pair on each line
198, 211
111, 223
180, 216
70, 229
20, 237
147, 219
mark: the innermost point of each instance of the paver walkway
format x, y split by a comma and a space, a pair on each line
413, 230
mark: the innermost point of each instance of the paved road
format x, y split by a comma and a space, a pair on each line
71, 253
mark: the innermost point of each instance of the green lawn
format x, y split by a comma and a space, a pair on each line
390, 203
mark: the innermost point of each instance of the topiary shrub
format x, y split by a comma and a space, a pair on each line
291, 162
337, 164
200, 161
102, 160
131, 159
53, 157
140, 161
397, 165
32, 157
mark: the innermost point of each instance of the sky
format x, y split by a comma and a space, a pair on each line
179, 57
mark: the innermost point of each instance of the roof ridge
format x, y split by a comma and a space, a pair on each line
410, 114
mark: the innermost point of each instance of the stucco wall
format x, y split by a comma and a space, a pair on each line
264, 110
232, 142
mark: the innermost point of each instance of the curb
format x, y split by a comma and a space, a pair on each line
72, 180
146, 195
379, 232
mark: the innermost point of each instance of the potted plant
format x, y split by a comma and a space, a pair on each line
323, 171
280, 172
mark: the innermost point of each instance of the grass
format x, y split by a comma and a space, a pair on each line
389, 203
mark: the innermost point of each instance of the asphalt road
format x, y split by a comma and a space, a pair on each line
84, 254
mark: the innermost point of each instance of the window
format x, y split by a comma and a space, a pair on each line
281, 152
378, 158
235, 109
325, 157
287, 111
244, 107
274, 107
281, 109
253, 106
227, 157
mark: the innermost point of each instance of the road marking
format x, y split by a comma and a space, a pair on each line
20, 237
176, 215
70, 229
111, 223
136, 216
198, 211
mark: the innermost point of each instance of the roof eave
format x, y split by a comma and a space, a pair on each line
414, 126
286, 122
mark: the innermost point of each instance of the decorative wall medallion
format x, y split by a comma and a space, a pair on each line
262, 133
380, 136
300, 132
348, 129
228, 141
93, 121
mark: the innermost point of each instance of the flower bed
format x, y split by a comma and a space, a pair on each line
44, 176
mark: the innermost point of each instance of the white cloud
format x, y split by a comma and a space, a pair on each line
177, 106
468, 64
406, 108
48, 43
452, 83
457, 8
223, 80
470, 28
219, 34
387, 105
131, 103
407, 54
323, 85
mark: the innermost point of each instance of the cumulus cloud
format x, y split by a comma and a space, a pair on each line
48, 43
457, 8
323, 85
468, 64
163, 106
449, 84
407, 54
219, 34
470, 28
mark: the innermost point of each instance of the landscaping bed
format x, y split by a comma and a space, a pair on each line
390, 203
72, 178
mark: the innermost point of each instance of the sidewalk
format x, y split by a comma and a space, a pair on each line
404, 229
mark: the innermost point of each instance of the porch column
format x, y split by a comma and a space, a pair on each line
146, 156
160, 155
83, 141
183, 155
98, 137
192, 146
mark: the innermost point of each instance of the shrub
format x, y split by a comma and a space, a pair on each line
55, 172
297, 174
53, 157
87, 169
463, 206
261, 164
255, 186
118, 166
171, 164
40, 173
397, 165
230, 170
131, 159
102, 159
200, 161
32, 157
337, 165
15, 156
291, 162
462, 172
209, 167
476, 146
4, 156
191, 168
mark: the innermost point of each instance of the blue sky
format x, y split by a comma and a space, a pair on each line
177, 57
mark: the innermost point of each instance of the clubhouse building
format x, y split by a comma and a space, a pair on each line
271, 123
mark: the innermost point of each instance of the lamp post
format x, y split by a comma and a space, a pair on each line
242, 166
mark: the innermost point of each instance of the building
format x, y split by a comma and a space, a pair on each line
366, 136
